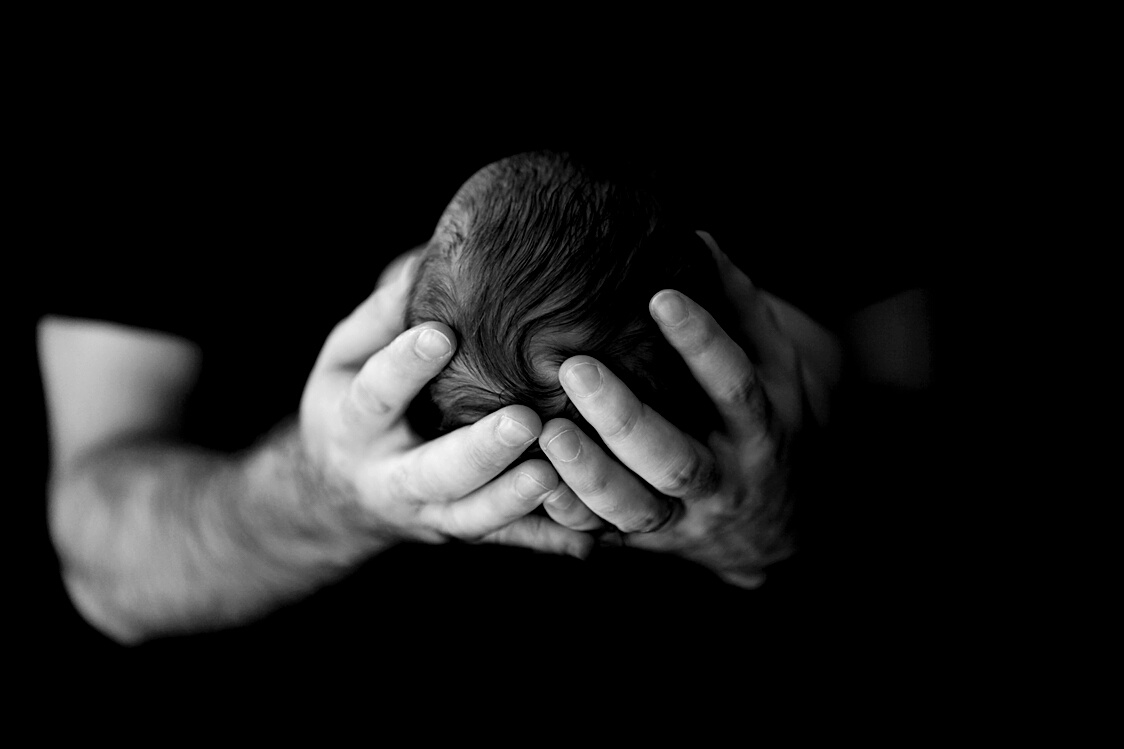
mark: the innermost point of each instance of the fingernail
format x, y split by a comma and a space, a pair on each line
561, 501
584, 379
528, 486
432, 344
670, 308
565, 446
512, 433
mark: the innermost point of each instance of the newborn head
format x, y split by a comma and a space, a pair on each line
540, 257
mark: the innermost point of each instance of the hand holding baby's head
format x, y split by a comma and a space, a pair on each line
540, 257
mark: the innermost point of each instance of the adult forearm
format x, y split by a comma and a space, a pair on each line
157, 538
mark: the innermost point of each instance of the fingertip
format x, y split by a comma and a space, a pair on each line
581, 376
535, 479
716, 252
524, 416
529, 488
728, 269
553, 428
669, 308
434, 342
574, 361
712, 245
686, 325
398, 274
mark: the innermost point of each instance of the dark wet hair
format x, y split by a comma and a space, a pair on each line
540, 257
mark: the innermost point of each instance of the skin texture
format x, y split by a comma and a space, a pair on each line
159, 537
540, 257
725, 504
352, 420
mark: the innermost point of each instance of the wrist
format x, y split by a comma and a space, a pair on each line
330, 504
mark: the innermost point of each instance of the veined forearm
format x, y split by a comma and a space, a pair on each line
157, 539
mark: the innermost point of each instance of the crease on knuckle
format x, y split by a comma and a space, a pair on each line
597, 485
739, 390
698, 338
453, 526
694, 475
367, 398
402, 485
514, 534
622, 428
533, 534
484, 458
642, 522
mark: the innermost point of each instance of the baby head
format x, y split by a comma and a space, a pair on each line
540, 257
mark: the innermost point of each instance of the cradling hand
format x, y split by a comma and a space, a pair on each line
725, 504
353, 428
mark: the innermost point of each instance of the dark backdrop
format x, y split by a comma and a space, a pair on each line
177, 195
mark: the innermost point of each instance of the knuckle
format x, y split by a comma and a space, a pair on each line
698, 337
533, 534
508, 535
453, 526
483, 458
740, 390
691, 475
351, 414
622, 424
596, 484
367, 397
642, 522
677, 478
401, 484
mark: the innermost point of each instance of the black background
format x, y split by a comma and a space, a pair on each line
160, 193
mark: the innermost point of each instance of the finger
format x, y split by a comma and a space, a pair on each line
818, 350
774, 348
460, 462
670, 461
720, 366
393, 376
566, 509
399, 265
494, 505
543, 534
372, 325
602, 484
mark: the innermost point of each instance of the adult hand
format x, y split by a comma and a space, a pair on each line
725, 504
353, 429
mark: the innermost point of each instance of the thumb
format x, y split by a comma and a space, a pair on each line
758, 321
372, 325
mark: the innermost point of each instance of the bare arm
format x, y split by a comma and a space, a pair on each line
160, 537
724, 504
